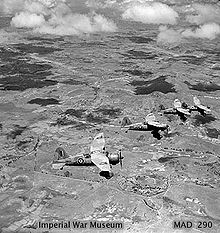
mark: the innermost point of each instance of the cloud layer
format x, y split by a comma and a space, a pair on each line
206, 16
28, 20
151, 13
56, 17
204, 13
76, 24
167, 35
207, 31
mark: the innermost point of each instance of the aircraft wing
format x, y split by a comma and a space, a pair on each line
169, 110
135, 125
62, 160
138, 126
199, 105
204, 108
150, 118
100, 160
157, 124
98, 143
184, 111
177, 104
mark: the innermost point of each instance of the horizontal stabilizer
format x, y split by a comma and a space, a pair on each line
183, 111
58, 166
151, 120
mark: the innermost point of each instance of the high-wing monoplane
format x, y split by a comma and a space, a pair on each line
181, 109
98, 156
199, 107
150, 124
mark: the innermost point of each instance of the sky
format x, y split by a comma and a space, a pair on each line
77, 17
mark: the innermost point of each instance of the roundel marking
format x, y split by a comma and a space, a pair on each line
80, 160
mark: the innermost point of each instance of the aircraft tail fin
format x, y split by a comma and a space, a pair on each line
126, 121
60, 153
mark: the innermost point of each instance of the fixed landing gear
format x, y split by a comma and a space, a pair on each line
156, 134
183, 117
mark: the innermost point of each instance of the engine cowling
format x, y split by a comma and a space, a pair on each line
60, 153
113, 158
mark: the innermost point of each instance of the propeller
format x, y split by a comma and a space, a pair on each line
120, 157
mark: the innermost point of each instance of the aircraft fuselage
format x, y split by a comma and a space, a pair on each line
200, 110
85, 160
146, 127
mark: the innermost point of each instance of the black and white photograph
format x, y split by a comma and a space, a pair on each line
109, 116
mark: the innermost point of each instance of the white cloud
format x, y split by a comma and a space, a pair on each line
167, 35
76, 24
56, 17
27, 20
205, 13
209, 31
151, 13
206, 31
103, 24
